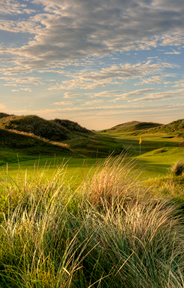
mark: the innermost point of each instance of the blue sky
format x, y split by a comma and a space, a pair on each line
96, 62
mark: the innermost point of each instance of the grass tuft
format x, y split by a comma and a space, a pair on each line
178, 168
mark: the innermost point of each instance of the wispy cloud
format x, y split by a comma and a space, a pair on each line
173, 53
121, 108
153, 79
26, 89
104, 94
179, 83
24, 80
113, 75
71, 95
88, 103
134, 93
172, 94
63, 103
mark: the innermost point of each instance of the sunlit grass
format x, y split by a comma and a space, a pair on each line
109, 231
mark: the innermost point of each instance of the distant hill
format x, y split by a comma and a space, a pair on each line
2, 115
175, 128
54, 130
133, 126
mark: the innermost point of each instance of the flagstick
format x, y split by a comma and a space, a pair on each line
140, 151
140, 141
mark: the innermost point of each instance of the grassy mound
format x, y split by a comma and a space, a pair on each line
13, 143
132, 126
54, 130
110, 232
2, 115
175, 128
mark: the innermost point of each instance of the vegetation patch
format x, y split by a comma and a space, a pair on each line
55, 130
108, 232
178, 168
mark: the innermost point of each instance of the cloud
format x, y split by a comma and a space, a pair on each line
173, 53
14, 7
26, 89
168, 5
175, 39
15, 70
71, 95
104, 94
19, 26
22, 89
154, 79
158, 79
179, 83
151, 80
93, 102
72, 30
13, 81
64, 103
111, 109
172, 94
112, 75
134, 93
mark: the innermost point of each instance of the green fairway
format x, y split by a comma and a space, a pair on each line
154, 157
76, 169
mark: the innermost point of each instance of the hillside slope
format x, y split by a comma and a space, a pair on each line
15, 143
54, 130
2, 115
175, 128
133, 126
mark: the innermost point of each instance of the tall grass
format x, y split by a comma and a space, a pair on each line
178, 168
109, 232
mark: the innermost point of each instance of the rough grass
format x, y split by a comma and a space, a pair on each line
54, 130
174, 128
109, 232
178, 168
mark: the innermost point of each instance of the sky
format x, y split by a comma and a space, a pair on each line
96, 62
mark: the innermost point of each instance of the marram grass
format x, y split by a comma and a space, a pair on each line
109, 232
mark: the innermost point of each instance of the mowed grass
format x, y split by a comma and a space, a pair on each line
130, 140
156, 154
76, 169
158, 162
